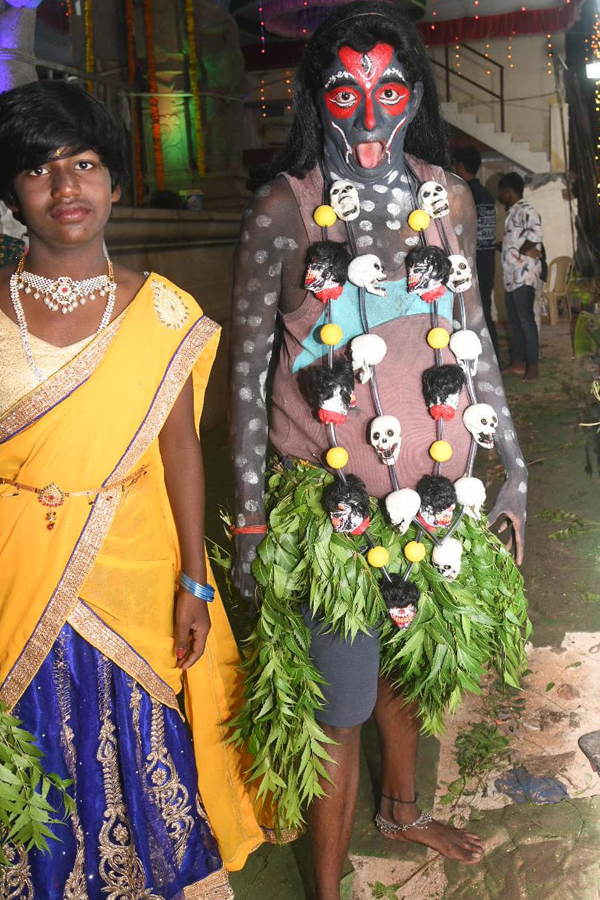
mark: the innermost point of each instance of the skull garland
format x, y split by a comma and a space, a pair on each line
481, 420
385, 437
441, 388
367, 272
326, 269
347, 504
402, 507
343, 197
401, 598
461, 277
433, 198
366, 350
427, 271
446, 558
438, 501
467, 348
470, 493
331, 391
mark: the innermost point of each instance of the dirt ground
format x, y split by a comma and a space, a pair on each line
530, 791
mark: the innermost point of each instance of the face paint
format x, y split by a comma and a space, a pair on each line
365, 111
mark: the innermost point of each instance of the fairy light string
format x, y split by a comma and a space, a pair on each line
159, 167
190, 21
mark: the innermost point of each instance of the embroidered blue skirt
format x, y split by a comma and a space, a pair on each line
139, 831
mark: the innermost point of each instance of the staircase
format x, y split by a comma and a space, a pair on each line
517, 151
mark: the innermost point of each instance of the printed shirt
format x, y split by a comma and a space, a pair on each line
486, 229
522, 224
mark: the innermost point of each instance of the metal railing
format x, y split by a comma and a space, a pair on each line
452, 72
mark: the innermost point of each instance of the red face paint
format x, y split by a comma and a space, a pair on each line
367, 69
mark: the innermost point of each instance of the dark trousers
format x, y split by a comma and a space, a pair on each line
486, 285
519, 306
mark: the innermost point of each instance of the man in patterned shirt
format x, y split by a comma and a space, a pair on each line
521, 267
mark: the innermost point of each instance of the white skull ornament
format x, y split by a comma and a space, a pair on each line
367, 271
433, 198
467, 348
446, 558
470, 493
481, 420
402, 506
367, 350
343, 197
384, 434
461, 277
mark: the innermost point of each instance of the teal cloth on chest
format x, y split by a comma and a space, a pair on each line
397, 303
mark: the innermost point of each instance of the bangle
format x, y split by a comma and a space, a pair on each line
201, 591
249, 529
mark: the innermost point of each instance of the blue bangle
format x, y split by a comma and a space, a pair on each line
201, 591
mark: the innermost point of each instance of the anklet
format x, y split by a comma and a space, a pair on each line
395, 799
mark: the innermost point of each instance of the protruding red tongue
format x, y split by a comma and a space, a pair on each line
369, 155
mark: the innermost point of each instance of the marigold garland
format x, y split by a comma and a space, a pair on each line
154, 110
135, 126
193, 58
88, 25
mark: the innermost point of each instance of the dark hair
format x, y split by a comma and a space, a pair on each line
512, 181
361, 25
42, 117
470, 157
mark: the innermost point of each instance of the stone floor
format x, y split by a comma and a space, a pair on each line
537, 806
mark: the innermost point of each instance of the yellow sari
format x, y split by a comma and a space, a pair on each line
107, 559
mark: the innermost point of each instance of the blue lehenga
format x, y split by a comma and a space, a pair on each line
139, 831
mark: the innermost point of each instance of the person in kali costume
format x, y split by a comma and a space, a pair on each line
366, 112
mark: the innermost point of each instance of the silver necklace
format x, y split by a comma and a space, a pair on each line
79, 291
63, 293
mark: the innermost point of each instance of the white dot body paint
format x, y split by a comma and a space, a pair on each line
398, 193
285, 243
246, 394
251, 505
264, 191
263, 221
520, 462
364, 240
399, 257
270, 298
404, 178
365, 225
254, 425
509, 435
243, 368
394, 224
393, 209
240, 320
499, 392
250, 477
367, 205
248, 212
240, 520
505, 411
260, 257
380, 188
254, 321
242, 304
245, 237
275, 269
412, 241
522, 489
483, 366
240, 461
260, 449
485, 386
458, 229
248, 346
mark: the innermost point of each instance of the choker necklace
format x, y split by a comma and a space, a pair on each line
61, 293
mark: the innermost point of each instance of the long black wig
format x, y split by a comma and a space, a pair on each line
361, 25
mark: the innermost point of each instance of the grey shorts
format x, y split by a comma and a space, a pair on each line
350, 670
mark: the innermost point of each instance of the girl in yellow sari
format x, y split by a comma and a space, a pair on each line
104, 595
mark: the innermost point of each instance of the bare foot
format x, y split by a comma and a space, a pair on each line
453, 843
514, 369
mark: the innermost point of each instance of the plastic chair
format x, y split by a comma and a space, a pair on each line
557, 283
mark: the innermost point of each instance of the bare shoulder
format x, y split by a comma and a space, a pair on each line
274, 201
129, 284
461, 198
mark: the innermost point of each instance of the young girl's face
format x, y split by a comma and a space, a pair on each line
67, 201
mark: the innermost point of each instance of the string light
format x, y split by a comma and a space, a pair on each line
549, 63
288, 90
263, 103
433, 13
262, 26
488, 71
457, 56
305, 16
509, 54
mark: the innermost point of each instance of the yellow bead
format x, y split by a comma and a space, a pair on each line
414, 551
331, 334
325, 216
438, 338
337, 457
441, 451
419, 220
378, 557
